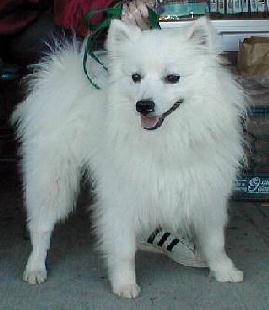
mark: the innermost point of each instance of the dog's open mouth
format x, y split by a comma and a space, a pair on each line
154, 122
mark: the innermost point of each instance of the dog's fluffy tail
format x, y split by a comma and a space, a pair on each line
59, 72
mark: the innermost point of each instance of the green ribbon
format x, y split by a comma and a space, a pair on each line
111, 13
153, 19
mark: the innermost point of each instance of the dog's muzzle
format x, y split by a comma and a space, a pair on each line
149, 122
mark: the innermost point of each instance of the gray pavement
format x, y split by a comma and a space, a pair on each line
78, 279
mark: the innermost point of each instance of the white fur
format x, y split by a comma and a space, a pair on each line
179, 175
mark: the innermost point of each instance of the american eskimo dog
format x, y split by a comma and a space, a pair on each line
162, 138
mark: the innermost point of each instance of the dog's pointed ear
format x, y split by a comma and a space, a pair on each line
119, 32
204, 34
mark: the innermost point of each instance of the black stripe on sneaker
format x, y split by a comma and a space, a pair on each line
172, 244
153, 235
163, 239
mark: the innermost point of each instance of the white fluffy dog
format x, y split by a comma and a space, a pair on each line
162, 138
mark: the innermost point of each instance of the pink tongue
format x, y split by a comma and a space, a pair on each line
149, 122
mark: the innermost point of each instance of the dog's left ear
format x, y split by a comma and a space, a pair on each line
204, 34
119, 33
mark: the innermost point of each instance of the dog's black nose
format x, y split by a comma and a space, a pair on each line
145, 106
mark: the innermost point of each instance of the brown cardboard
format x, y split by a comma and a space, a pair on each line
253, 57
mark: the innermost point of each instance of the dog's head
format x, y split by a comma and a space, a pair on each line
157, 72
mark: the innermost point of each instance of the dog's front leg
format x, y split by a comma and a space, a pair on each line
35, 272
119, 244
121, 264
210, 231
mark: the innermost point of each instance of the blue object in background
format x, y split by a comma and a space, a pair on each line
186, 9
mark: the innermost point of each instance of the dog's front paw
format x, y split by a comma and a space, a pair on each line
35, 276
232, 275
127, 290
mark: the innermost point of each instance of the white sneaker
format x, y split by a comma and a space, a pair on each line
179, 249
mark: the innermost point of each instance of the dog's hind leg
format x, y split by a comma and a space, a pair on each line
51, 183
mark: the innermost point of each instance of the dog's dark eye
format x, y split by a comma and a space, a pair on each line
136, 77
172, 78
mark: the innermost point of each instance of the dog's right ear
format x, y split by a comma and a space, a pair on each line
119, 33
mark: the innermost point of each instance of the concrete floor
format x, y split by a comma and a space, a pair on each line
78, 280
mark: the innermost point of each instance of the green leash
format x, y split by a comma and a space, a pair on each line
91, 45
